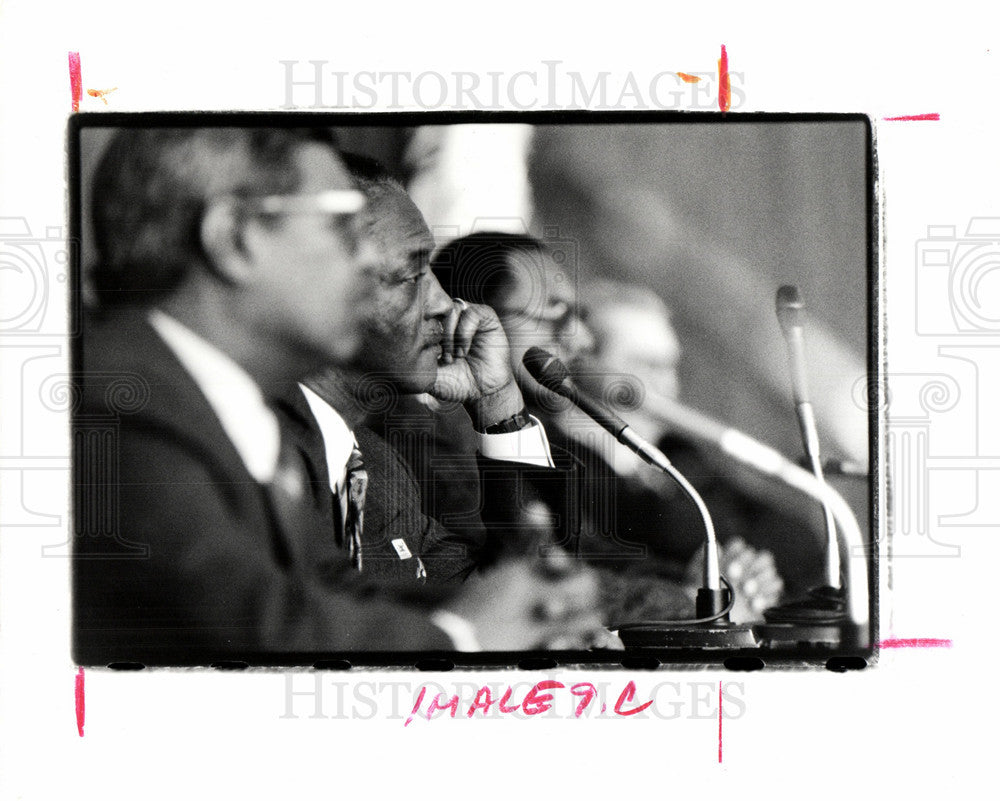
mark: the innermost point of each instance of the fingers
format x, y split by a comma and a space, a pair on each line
582, 633
736, 550
468, 324
460, 328
760, 564
450, 324
761, 584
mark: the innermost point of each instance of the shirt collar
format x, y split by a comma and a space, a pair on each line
233, 395
338, 439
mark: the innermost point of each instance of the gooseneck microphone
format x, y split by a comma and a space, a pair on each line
768, 462
551, 373
789, 308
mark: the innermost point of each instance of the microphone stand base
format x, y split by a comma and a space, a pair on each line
798, 635
819, 620
727, 636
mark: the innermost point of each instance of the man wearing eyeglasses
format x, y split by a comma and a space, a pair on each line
533, 293
229, 268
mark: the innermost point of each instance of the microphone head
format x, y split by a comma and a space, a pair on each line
546, 369
788, 304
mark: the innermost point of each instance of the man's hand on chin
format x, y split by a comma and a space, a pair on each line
475, 366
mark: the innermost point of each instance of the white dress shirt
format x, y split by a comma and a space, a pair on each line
338, 442
234, 396
527, 446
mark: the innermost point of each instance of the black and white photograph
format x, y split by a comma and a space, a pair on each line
372, 389
425, 399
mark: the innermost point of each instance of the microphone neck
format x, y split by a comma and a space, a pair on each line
602, 415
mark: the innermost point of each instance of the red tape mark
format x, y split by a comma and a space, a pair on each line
913, 117
720, 722
724, 89
915, 642
75, 82
80, 705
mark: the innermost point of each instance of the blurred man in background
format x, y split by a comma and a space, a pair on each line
634, 368
615, 512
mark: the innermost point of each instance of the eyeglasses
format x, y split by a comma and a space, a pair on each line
333, 201
559, 314
341, 205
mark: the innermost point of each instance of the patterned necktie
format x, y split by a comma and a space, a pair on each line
357, 485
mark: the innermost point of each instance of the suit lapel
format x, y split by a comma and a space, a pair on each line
315, 540
124, 349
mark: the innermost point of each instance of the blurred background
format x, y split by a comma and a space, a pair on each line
713, 216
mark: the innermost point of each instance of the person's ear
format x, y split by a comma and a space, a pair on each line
222, 241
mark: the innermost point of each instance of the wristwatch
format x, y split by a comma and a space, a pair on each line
509, 425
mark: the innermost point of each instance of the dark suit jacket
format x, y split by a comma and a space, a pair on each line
488, 505
393, 513
179, 554
402, 547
